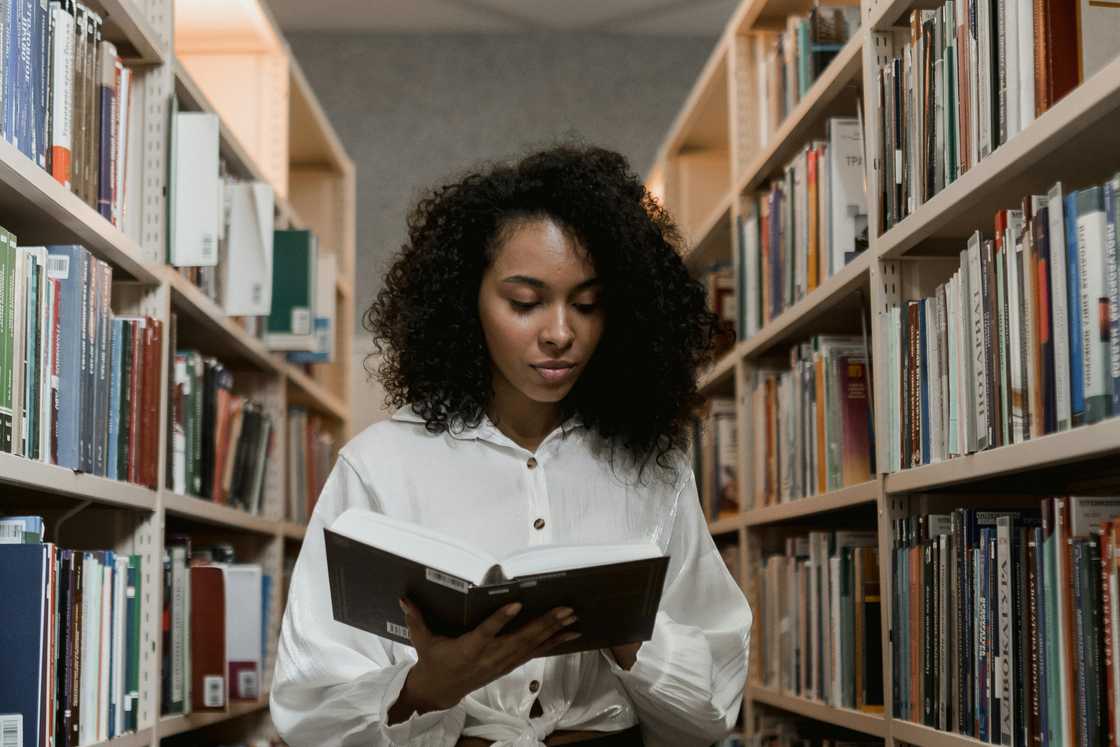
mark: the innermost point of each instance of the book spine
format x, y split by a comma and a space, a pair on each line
1076, 311
1094, 305
1059, 308
1112, 260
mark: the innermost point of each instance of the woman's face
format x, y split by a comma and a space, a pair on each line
541, 311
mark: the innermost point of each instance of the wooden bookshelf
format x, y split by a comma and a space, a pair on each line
314, 180
1066, 143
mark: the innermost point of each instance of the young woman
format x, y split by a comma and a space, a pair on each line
541, 337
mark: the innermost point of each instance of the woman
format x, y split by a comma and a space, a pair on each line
541, 336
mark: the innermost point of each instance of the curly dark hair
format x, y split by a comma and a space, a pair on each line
639, 389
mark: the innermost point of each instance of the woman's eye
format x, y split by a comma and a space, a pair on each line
587, 308
522, 305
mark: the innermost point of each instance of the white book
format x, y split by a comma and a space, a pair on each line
179, 626
1014, 340
120, 608
1091, 229
933, 378
21, 274
105, 649
816, 652
62, 38
1027, 282
1011, 87
845, 179
954, 422
967, 357
1059, 305
194, 213
750, 257
243, 592
124, 103
824, 214
836, 688
91, 636
979, 378
246, 268
1025, 17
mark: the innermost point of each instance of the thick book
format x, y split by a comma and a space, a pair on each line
293, 291
614, 589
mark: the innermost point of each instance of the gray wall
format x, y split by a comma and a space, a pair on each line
414, 110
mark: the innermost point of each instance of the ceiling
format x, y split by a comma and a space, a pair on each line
674, 17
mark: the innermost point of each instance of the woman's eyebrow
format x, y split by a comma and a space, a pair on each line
538, 283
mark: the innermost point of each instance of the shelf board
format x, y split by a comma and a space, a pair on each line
811, 312
703, 120
220, 335
31, 475
312, 394
171, 725
868, 723
923, 736
713, 236
853, 495
769, 14
41, 211
808, 117
293, 531
312, 139
125, 25
201, 509
720, 371
888, 13
1083, 443
1065, 143
726, 525
139, 738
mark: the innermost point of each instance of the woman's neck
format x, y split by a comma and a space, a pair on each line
525, 421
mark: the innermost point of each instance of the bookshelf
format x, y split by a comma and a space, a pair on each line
1067, 142
314, 181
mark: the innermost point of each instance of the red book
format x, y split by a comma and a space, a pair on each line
855, 415
208, 638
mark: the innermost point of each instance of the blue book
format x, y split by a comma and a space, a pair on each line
1073, 291
40, 69
923, 382
68, 264
11, 61
1112, 283
266, 599
23, 577
115, 399
23, 69
1040, 633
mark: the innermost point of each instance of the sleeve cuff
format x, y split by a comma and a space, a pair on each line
432, 729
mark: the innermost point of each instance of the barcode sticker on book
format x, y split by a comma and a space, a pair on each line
11, 534
301, 320
399, 630
58, 266
208, 243
247, 683
11, 730
213, 691
444, 580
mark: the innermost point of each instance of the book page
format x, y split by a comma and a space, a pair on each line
546, 558
419, 544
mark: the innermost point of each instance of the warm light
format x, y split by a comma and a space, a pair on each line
225, 26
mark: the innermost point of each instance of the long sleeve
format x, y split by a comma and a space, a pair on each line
334, 684
687, 681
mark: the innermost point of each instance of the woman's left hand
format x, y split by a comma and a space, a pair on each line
626, 654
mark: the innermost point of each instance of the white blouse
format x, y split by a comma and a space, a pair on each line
333, 684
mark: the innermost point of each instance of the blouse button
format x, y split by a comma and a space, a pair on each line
534, 686
531, 463
538, 524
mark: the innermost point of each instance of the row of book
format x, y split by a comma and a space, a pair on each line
221, 440
819, 613
66, 98
805, 228
311, 455
788, 62
70, 632
714, 457
76, 381
1022, 340
811, 422
215, 619
1006, 620
221, 237
968, 76
780, 730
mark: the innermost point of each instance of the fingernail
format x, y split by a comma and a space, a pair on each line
563, 612
570, 620
571, 636
513, 609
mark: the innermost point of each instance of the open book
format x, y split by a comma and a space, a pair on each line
373, 560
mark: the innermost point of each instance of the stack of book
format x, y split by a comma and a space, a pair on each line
1022, 340
811, 422
714, 458
795, 57
76, 381
971, 75
1005, 621
220, 440
70, 632
819, 614
215, 628
803, 230
311, 453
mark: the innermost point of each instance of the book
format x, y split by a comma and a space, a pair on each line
195, 189
614, 589
246, 252
289, 324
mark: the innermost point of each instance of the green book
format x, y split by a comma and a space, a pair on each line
7, 330
132, 668
289, 326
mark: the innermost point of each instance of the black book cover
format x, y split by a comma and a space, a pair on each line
615, 603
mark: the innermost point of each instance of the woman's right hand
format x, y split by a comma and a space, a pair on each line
449, 669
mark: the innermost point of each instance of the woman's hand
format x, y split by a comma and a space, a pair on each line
449, 669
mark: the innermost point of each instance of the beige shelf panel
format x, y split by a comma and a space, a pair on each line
1065, 143
720, 372
40, 211
853, 495
125, 25
769, 14
704, 120
171, 725
823, 100
293, 531
203, 324
1079, 444
30, 475
868, 723
726, 525
713, 237
816, 312
312, 139
923, 736
344, 287
221, 26
206, 511
303, 390
139, 738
